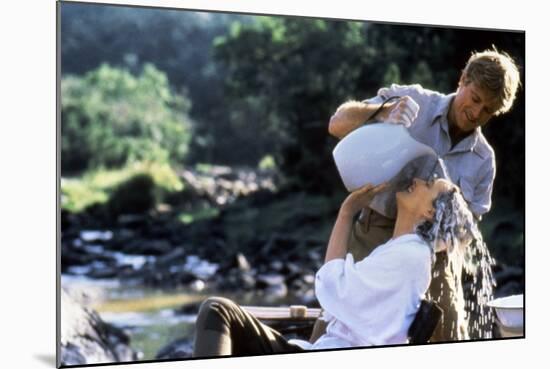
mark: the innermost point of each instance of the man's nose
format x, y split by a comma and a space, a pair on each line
476, 111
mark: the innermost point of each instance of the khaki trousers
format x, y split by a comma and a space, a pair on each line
223, 328
371, 230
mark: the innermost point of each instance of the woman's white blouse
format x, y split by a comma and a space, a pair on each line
373, 301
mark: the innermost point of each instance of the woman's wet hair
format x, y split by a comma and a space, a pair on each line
453, 223
455, 226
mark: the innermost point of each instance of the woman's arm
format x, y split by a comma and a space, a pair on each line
338, 242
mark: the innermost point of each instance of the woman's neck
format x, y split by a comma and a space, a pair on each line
404, 224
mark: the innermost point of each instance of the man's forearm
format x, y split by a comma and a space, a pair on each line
350, 116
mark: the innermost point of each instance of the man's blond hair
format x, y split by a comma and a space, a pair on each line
497, 73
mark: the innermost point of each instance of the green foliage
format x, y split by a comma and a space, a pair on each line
503, 231
392, 75
110, 117
98, 186
136, 195
285, 77
203, 167
177, 42
267, 163
76, 195
423, 75
197, 215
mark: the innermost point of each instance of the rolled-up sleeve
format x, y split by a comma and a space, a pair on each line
477, 189
481, 203
414, 91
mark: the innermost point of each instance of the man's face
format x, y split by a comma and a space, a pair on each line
472, 106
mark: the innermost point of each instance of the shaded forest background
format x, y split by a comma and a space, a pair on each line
165, 89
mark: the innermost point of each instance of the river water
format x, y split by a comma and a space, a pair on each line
149, 315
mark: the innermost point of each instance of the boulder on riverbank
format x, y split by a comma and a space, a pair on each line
86, 339
180, 348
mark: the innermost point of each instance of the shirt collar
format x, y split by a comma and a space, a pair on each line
406, 238
442, 107
476, 137
469, 143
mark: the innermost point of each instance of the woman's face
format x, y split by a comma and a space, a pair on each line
418, 198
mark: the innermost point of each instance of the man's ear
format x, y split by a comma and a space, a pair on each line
462, 80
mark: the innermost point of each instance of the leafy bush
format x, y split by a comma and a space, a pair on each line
98, 186
110, 118
136, 195
267, 163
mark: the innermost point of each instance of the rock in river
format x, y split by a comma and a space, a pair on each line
178, 349
86, 339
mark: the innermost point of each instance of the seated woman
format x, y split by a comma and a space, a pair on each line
371, 302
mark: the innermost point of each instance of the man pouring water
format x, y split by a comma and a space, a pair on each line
451, 125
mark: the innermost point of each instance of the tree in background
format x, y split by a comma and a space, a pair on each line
110, 117
177, 42
294, 71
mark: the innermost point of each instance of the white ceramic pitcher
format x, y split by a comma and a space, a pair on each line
375, 153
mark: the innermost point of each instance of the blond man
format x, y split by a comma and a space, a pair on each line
450, 124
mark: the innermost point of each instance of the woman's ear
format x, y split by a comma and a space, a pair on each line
429, 213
